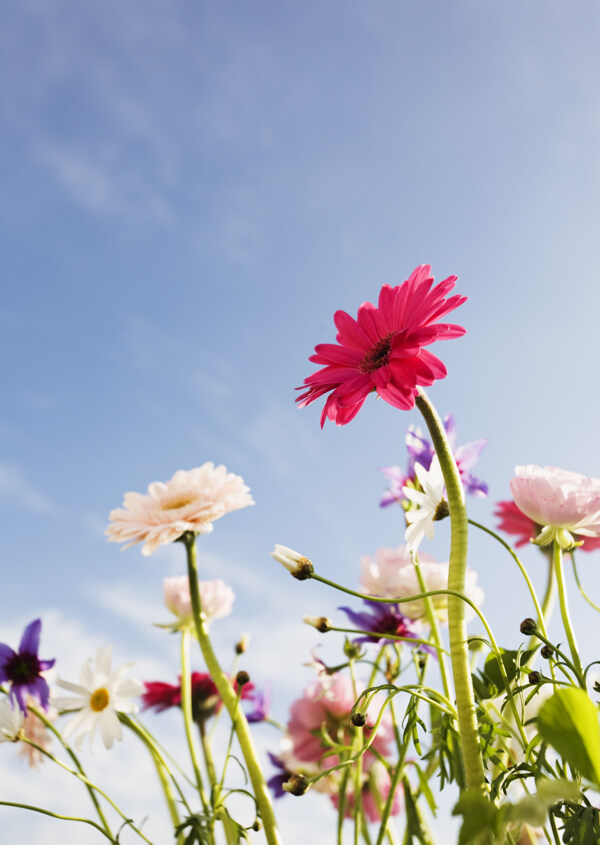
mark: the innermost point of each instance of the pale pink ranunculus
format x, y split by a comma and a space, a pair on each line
216, 598
326, 706
563, 502
393, 575
190, 501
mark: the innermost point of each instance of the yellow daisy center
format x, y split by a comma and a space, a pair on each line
99, 699
178, 502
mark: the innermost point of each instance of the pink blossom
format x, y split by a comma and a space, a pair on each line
374, 793
513, 521
562, 502
191, 501
216, 598
383, 350
325, 707
392, 574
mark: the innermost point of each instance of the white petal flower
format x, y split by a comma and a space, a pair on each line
99, 696
11, 721
428, 501
295, 563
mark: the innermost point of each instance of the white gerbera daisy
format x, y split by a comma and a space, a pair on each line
99, 696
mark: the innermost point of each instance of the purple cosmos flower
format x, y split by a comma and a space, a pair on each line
384, 621
262, 705
275, 783
23, 668
421, 451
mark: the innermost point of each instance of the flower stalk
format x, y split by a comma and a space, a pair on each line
457, 628
230, 699
564, 612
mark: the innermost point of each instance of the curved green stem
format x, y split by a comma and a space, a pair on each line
230, 700
188, 720
52, 815
564, 612
457, 627
579, 585
435, 630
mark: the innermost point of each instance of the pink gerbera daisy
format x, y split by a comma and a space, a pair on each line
382, 350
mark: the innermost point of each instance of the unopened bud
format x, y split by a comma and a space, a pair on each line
296, 785
528, 626
442, 511
321, 623
534, 677
296, 564
358, 720
547, 651
352, 650
242, 678
257, 825
243, 644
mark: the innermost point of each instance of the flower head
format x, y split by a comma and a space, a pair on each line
392, 574
513, 521
564, 503
216, 599
430, 504
420, 451
11, 720
295, 563
35, 730
23, 668
99, 696
206, 701
385, 622
191, 501
383, 349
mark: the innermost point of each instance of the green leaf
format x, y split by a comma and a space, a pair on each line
533, 809
479, 816
568, 721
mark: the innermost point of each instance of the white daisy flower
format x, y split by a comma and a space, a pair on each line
430, 501
99, 696
11, 721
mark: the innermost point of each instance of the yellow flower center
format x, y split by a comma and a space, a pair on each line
178, 502
99, 699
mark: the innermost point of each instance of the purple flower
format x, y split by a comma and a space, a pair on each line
421, 451
275, 783
23, 668
384, 621
262, 705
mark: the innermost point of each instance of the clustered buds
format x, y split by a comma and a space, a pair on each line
528, 626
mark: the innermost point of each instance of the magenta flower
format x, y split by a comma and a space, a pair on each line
206, 701
421, 451
513, 521
564, 503
22, 669
383, 349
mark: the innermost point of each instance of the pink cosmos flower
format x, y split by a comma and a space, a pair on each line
325, 707
513, 521
383, 349
564, 503
191, 501
216, 599
392, 574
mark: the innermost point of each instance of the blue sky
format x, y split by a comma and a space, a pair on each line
190, 190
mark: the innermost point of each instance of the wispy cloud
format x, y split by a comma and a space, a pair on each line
15, 488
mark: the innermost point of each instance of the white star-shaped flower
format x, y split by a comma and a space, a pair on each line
430, 502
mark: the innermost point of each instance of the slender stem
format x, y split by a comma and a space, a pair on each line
230, 700
44, 719
435, 630
541, 611
188, 719
578, 582
564, 612
457, 627
41, 810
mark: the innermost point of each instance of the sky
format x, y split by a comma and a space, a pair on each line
190, 191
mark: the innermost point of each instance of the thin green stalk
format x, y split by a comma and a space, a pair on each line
457, 628
564, 612
188, 719
578, 582
435, 630
48, 724
541, 611
52, 815
230, 700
